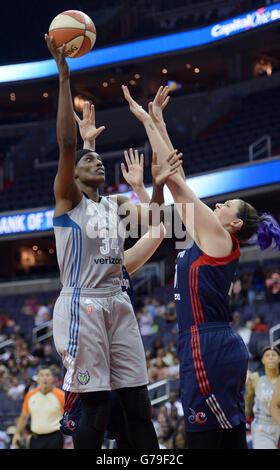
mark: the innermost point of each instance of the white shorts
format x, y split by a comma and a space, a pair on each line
96, 334
265, 436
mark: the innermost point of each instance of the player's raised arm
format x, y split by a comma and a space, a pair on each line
274, 407
144, 248
133, 174
66, 192
152, 214
142, 251
157, 143
208, 232
156, 108
87, 127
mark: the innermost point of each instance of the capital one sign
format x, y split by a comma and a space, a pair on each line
257, 18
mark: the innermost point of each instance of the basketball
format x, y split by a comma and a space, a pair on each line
76, 30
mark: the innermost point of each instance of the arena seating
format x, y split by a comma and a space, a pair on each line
222, 145
126, 21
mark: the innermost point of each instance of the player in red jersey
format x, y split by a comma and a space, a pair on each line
213, 359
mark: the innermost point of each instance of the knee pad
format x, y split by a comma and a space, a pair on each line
102, 416
136, 403
96, 410
144, 404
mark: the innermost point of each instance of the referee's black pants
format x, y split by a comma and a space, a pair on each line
54, 440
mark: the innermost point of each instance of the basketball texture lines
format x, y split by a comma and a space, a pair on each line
76, 30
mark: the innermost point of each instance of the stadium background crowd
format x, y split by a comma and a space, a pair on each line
255, 305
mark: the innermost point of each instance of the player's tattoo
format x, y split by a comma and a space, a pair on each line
249, 396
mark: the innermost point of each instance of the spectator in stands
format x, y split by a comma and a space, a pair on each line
26, 309
148, 302
17, 337
238, 299
174, 417
4, 374
160, 354
165, 433
160, 420
30, 384
4, 439
173, 401
168, 357
6, 327
16, 389
181, 425
152, 371
247, 290
49, 358
22, 350
12, 366
172, 346
32, 302
259, 391
258, 340
148, 354
45, 405
51, 304
170, 313
42, 314
11, 430
38, 350
179, 440
57, 371
160, 308
259, 325
25, 369
9, 328
272, 284
3, 320
173, 369
157, 344
244, 331
3, 336
162, 369
163, 410
145, 321
257, 288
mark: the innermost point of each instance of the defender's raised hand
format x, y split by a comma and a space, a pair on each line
157, 106
87, 127
134, 107
58, 56
134, 172
168, 167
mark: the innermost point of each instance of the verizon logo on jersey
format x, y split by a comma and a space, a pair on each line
109, 260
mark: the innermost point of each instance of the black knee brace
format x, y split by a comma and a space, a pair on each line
137, 408
136, 402
96, 409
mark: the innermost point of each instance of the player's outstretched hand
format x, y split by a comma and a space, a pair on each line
161, 172
134, 172
134, 107
87, 127
59, 56
157, 106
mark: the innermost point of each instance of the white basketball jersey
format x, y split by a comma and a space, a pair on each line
89, 244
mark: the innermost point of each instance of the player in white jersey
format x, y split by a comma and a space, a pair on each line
274, 407
259, 391
95, 329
